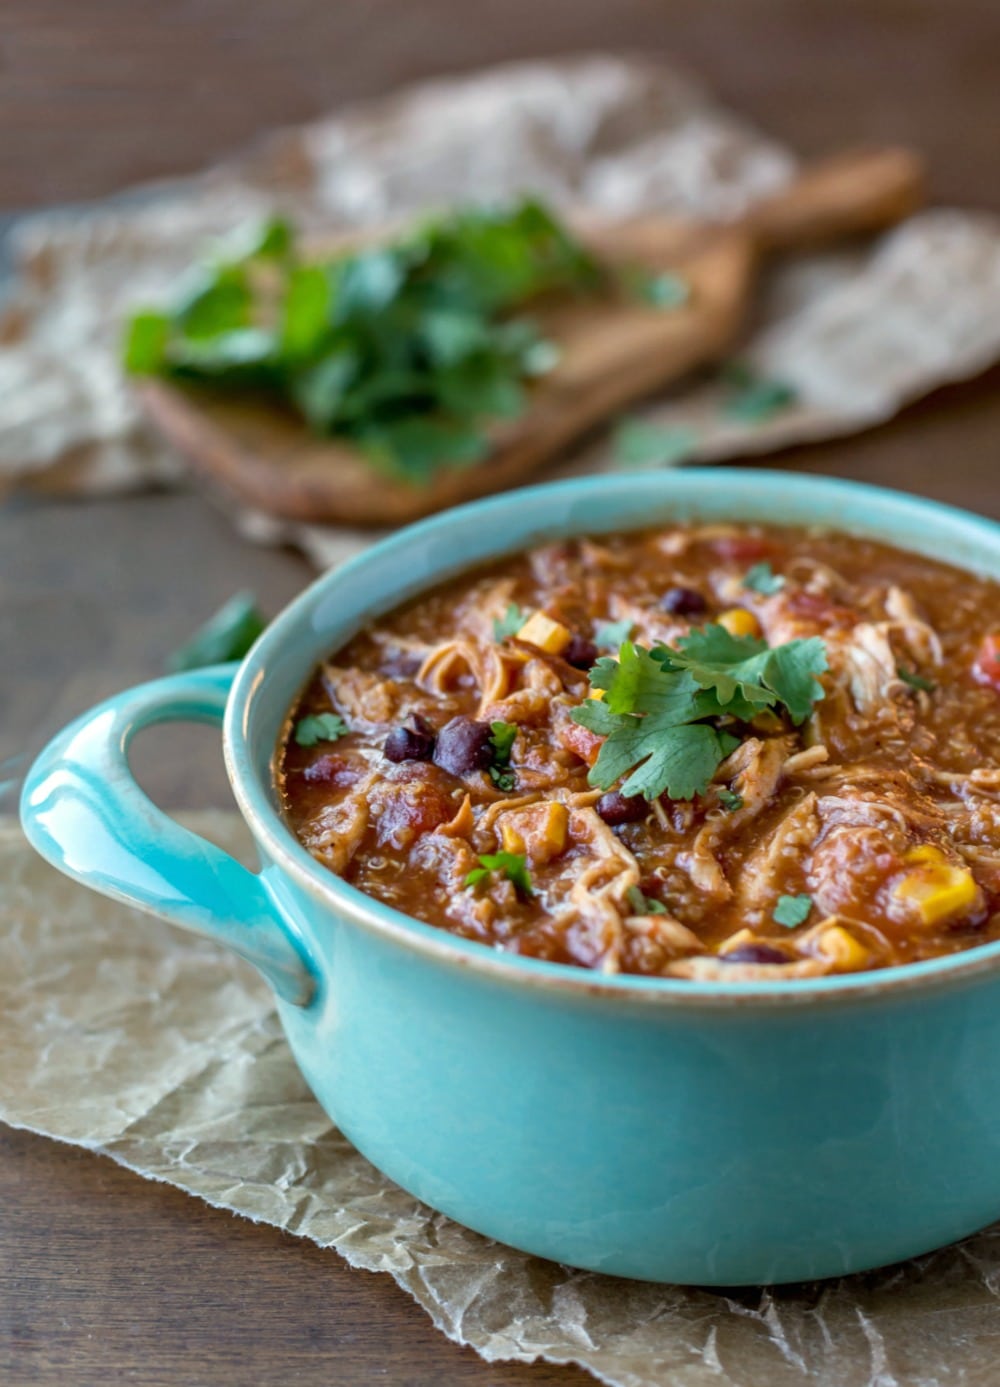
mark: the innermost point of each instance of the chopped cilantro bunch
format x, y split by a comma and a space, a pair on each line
404, 350
662, 708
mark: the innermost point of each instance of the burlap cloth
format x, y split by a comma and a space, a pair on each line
123, 1035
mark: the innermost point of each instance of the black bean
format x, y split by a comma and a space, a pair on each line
683, 602
463, 745
616, 808
410, 743
754, 953
580, 653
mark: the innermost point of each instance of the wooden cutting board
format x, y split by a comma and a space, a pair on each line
614, 352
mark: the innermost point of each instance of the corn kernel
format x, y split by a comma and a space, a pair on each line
597, 694
938, 891
841, 948
550, 636
740, 622
540, 831
510, 838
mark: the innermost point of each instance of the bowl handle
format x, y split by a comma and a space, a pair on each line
83, 811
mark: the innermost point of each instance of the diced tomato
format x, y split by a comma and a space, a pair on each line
407, 808
580, 740
742, 548
986, 667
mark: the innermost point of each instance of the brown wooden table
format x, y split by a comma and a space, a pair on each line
105, 1278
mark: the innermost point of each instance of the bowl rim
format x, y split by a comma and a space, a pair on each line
333, 894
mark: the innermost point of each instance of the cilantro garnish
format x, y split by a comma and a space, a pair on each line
644, 905
639, 444
753, 399
792, 910
502, 742
406, 350
915, 681
228, 635
761, 578
510, 623
661, 707
320, 727
612, 633
730, 800
514, 866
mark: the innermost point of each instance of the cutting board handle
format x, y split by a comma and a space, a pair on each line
854, 192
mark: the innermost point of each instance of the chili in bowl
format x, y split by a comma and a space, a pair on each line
705, 751
674, 958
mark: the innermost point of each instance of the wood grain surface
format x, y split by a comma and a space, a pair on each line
105, 1278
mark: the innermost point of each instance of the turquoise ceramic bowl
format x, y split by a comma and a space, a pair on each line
697, 1132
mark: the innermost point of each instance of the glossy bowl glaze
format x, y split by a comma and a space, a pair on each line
706, 1133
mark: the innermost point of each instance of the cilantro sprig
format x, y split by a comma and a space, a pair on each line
762, 578
640, 904
510, 623
792, 911
320, 727
661, 709
513, 865
502, 735
406, 350
228, 635
915, 680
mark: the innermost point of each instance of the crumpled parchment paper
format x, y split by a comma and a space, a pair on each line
857, 333
124, 1035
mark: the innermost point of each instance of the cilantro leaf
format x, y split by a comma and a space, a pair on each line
730, 800
682, 764
510, 623
791, 911
743, 664
212, 300
145, 345
514, 866
915, 680
637, 683
761, 578
644, 905
228, 635
320, 727
419, 446
305, 312
610, 634
639, 444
